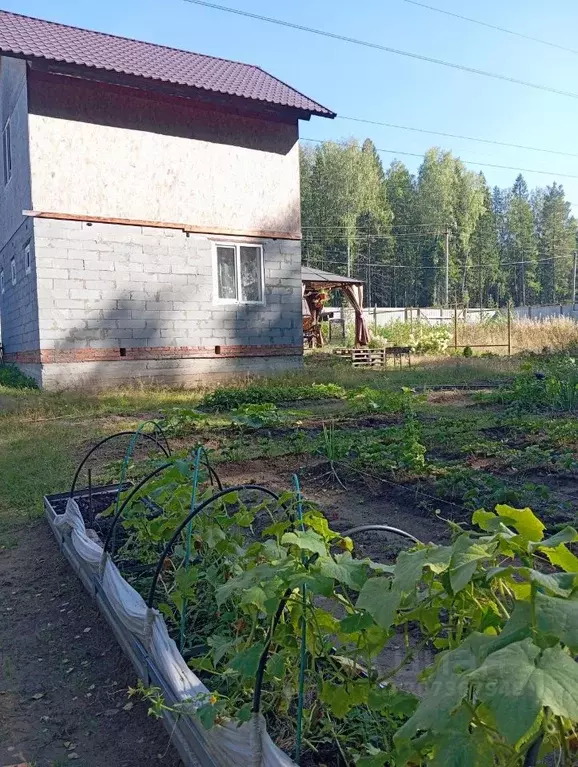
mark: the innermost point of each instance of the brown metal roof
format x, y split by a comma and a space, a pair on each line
31, 38
318, 277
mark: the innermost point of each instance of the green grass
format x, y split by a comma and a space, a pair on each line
323, 367
43, 434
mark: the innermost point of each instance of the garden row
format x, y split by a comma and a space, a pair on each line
278, 614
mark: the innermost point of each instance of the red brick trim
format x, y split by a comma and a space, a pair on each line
47, 356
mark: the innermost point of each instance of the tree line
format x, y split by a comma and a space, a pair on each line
393, 229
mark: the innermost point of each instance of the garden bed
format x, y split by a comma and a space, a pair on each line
188, 737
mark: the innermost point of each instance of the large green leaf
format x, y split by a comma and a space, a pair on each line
484, 519
559, 618
567, 535
410, 565
563, 557
447, 689
341, 698
408, 569
344, 569
355, 622
308, 540
462, 746
259, 574
557, 552
389, 698
560, 584
247, 661
254, 596
524, 521
376, 760
519, 680
466, 555
380, 600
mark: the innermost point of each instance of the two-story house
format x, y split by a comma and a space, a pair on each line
149, 210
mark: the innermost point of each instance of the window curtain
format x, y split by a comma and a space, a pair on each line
354, 294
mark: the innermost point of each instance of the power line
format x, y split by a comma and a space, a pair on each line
367, 235
467, 162
494, 26
457, 135
386, 49
359, 228
498, 264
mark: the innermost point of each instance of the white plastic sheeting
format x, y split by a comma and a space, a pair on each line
247, 745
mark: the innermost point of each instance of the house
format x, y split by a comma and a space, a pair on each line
149, 210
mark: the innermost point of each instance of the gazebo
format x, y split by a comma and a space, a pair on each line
317, 283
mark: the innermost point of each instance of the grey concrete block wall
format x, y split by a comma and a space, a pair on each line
18, 303
112, 289
110, 286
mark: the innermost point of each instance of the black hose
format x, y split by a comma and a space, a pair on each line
381, 528
212, 473
166, 450
189, 517
531, 758
127, 500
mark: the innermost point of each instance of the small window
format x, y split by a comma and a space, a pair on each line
1, 281
13, 270
7, 153
239, 274
27, 258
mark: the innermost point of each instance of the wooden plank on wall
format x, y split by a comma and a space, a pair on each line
189, 228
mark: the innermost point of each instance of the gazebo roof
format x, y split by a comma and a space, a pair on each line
320, 279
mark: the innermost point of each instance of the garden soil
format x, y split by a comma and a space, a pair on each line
63, 678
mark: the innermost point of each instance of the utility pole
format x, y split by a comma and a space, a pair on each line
480, 284
348, 257
447, 267
574, 281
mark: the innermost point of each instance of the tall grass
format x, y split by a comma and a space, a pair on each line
552, 334
555, 334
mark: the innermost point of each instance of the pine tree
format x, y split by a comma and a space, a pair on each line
469, 208
485, 272
557, 233
521, 246
404, 275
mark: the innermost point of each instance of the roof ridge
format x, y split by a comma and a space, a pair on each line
143, 42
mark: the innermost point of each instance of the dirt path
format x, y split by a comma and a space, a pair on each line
63, 678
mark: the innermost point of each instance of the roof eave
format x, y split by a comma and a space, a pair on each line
164, 86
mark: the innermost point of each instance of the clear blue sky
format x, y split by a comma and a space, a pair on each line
366, 83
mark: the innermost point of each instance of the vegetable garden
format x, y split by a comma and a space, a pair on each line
358, 570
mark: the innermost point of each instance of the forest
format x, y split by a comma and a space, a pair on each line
392, 228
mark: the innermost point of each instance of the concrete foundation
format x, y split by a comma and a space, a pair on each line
184, 372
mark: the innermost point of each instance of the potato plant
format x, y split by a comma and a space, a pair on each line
265, 593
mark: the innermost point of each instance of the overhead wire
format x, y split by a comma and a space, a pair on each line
495, 27
457, 135
498, 264
384, 48
467, 162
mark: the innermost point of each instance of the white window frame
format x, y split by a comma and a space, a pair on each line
28, 258
237, 248
13, 270
2, 286
7, 152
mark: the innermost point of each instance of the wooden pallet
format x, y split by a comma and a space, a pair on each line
368, 358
